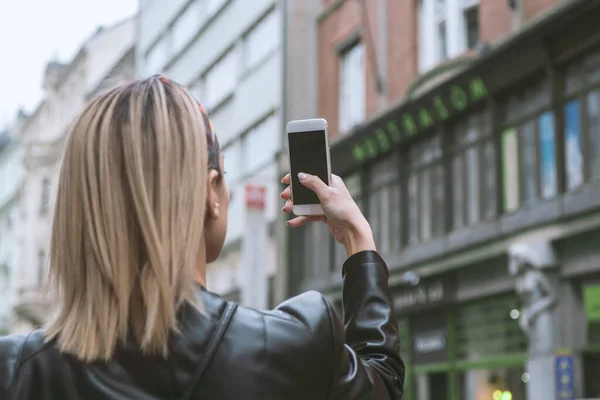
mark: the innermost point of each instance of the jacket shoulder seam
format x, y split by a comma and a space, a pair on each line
35, 353
18, 363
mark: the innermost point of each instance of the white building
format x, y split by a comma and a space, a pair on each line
11, 176
106, 55
228, 52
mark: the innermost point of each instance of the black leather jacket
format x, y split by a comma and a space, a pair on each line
301, 350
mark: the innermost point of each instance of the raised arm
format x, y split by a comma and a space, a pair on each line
366, 359
367, 363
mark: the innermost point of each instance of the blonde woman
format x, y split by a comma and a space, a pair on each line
141, 209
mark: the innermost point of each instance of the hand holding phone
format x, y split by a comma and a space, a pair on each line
344, 219
308, 148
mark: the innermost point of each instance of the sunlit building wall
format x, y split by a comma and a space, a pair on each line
106, 55
229, 54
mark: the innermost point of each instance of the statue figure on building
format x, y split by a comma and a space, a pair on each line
531, 264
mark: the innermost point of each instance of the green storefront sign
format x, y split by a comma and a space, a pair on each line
591, 296
410, 124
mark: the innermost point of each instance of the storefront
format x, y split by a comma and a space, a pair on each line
459, 341
506, 146
591, 352
580, 260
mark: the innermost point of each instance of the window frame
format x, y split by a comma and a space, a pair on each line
214, 7
377, 182
344, 50
163, 43
272, 116
484, 137
466, 9
417, 170
228, 55
274, 13
584, 87
435, 14
200, 17
532, 115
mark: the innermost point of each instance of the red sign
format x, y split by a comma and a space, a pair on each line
255, 196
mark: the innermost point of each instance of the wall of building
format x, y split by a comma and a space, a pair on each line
548, 196
67, 89
397, 53
247, 118
11, 175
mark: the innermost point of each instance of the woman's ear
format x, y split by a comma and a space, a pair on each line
212, 194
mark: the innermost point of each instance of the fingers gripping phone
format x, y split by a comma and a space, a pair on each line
308, 149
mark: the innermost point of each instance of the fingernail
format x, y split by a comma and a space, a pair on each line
302, 176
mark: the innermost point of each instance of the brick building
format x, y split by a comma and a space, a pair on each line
468, 132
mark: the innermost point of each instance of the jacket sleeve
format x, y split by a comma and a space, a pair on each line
366, 358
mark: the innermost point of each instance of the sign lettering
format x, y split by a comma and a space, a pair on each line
430, 342
440, 107
424, 295
411, 124
425, 118
430, 338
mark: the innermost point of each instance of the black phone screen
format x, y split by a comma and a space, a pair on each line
308, 154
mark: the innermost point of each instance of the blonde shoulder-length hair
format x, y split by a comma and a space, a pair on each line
129, 220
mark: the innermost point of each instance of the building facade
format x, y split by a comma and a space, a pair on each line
68, 87
11, 176
468, 135
230, 54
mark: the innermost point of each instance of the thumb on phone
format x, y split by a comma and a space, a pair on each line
314, 183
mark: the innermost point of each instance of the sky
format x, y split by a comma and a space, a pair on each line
33, 32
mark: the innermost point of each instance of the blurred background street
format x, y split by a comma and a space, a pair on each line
467, 130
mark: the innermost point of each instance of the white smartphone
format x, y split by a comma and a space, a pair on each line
308, 150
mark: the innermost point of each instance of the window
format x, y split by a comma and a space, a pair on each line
384, 205
510, 170
440, 19
582, 121
261, 144
187, 25
426, 191
593, 116
157, 57
528, 162
573, 154
45, 200
41, 267
471, 18
352, 88
485, 329
473, 171
213, 6
547, 156
446, 29
220, 81
528, 148
261, 40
